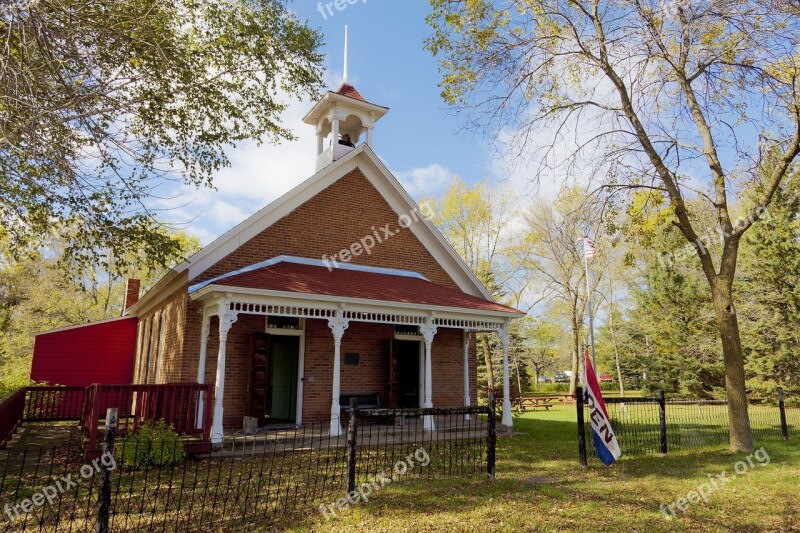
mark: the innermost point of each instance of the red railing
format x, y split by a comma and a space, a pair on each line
54, 404
186, 407
39, 404
12, 412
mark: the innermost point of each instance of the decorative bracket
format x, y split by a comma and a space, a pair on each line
428, 329
338, 325
227, 319
505, 334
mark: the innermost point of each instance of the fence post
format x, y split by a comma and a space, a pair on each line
662, 421
782, 407
582, 455
104, 496
352, 441
491, 444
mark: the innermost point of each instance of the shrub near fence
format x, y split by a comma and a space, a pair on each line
251, 479
658, 426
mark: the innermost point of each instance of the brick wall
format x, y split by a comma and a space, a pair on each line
174, 367
333, 220
370, 341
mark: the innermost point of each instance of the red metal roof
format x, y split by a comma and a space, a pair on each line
348, 90
347, 283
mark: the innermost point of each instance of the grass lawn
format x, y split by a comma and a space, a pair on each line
625, 497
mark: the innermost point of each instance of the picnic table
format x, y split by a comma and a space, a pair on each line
533, 403
520, 404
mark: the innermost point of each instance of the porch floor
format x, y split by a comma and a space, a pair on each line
317, 437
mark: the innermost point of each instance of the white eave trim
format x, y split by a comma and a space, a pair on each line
211, 292
309, 262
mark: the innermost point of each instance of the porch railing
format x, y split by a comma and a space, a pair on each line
12, 412
185, 406
53, 404
39, 404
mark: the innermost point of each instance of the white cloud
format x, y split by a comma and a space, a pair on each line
425, 181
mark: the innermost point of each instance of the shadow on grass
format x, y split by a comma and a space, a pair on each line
626, 496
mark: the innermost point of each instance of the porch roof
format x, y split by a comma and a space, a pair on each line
351, 282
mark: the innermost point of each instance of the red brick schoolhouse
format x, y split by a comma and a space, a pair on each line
340, 287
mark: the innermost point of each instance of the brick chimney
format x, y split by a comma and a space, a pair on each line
132, 287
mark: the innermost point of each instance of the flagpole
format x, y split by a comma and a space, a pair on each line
589, 301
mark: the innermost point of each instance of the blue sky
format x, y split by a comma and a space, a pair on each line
418, 139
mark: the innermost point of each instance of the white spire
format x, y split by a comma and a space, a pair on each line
345, 54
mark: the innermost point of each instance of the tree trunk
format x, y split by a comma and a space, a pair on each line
616, 349
741, 437
519, 377
487, 355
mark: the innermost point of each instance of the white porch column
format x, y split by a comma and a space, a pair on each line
205, 330
428, 331
338, 325
226, 320
504, 337
467, 336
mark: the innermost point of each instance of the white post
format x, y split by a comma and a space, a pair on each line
428, 332
338, 325
205, 330
467, 400
226, 320
590, 304
421, 389
335, 130
504, 337
346, 33
369, 137
320, 144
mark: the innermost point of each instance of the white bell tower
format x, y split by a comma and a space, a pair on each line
341, 118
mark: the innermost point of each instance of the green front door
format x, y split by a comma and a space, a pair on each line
285, 356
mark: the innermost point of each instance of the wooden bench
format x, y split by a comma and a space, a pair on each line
366, 400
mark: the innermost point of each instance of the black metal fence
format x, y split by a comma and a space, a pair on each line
250, 479
659, 426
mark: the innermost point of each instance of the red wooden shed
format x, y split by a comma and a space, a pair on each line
78, 356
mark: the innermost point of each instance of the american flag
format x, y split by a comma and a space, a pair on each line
589, 248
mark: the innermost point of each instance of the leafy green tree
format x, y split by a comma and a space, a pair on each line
769, 286
105, 102
540, 346
551, 233
641, 94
